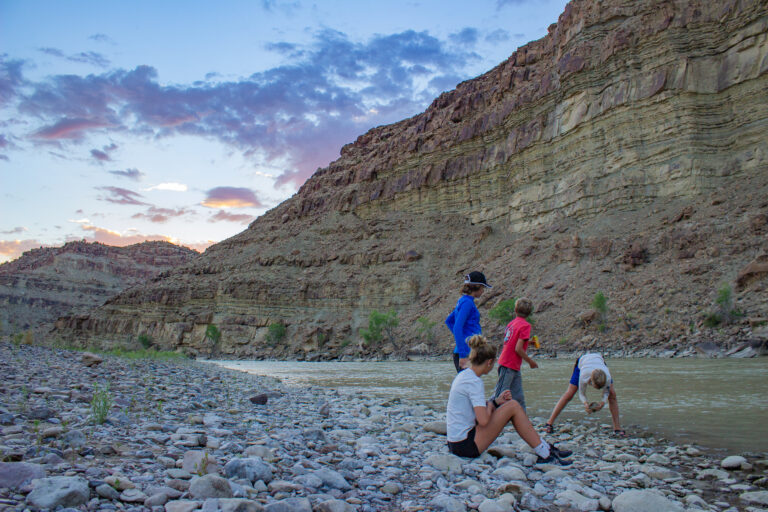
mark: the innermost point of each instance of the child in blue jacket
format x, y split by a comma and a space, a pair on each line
464, 320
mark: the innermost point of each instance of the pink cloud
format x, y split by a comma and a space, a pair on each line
231, 197
221, 215
122, 196
160, 215
12, 249
68, 129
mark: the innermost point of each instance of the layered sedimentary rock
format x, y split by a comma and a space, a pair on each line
626, 152
46, 283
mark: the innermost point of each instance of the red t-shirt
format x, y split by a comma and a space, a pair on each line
517, 329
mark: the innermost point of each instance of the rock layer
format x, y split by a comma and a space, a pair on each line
625, 152
46, 283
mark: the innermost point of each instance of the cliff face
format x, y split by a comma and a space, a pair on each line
626, 152
44, 284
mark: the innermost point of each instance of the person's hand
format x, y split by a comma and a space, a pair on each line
463, 362
600, 406
586, 408
504, 397
533, 364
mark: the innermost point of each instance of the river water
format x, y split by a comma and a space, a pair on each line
715, 403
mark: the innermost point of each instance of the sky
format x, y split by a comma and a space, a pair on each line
185, 120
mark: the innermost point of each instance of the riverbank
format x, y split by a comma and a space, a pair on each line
183, 435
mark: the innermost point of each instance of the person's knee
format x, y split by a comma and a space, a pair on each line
513, 406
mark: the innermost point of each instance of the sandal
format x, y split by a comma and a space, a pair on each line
619, 432
548, 428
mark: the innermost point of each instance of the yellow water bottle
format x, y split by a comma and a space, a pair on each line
536, 344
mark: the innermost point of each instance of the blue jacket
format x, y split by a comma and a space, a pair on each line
464, 321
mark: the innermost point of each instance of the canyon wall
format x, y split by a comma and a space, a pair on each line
625, 153
46, 283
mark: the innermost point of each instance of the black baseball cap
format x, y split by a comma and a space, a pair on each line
476, 278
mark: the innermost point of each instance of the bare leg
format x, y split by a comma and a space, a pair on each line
567, 396
613, 405
485, 435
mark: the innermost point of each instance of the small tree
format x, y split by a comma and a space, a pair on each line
504, 311
101, 403
145, 341
600, 305
426, 329
724, 310
275, 333
213, 334
380, 325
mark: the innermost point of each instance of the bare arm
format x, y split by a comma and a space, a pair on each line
520, 350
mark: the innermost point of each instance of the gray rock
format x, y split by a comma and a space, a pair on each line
447, 503
251, 469
182, 506
261, 451
40, 413
332, 479
576, 501
532, 502
314, 434
510, 472
489, 505
75, 438
733, 462
659, 472
239, 505
59, 491
89, 359
15, 474
290, 505
156, 500
199, 462
210, 486
391, 487
643, 501
755, 497
437, 427
445, 462
133, 496
334, 506
107, 491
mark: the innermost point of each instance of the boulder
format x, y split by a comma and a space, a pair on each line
239, 505
290, 505
643, 501
733, 462
15, 474
437, 427
59, 491
251, 469
332, 479
90, 359
210, 486
755, 498
445, 462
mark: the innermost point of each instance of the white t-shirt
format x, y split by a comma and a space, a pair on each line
587, 364
467, 392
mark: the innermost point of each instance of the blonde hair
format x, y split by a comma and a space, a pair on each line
523, 307
482, 351
598, 379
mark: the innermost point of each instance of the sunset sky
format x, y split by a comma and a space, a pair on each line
185, 120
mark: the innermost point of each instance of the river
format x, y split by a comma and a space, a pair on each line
715, 403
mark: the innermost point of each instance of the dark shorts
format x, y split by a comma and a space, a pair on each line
456, 358
575, 374
466, 448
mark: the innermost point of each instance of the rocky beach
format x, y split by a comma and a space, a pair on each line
180, 435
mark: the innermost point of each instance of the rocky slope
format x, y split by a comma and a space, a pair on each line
625, 152
46, 283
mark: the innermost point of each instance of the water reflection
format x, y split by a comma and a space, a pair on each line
718, 403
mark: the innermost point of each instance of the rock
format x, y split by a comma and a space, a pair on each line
334, 506
210, 486
133, 496
90, 359
251, 469
489, 505
16, 474
75, 438
659, 472
733, 462
530, 501
447, 503
199, 462
391, 488
437, 427
260, 451
182, 506
156, 500
657, 458
41, 413
510, 472
576, 501
107, 491
51, 432
260, 399
119, 482
445, 462
755, 498
644, 501
59, 491
239, 505
290, 505
717, 474
332, 479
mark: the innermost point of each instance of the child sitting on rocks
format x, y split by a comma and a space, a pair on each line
473, 424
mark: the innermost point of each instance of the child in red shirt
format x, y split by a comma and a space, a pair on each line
516, 338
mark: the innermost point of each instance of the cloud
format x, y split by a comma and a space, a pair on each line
172, 186
504, 3
11, 78
467, 36
160, 215
231, 197
100, 156
12, 249
131, 174
101, 38
221, 215
121, 196
295, 116
14, 231
92, 58
497, 36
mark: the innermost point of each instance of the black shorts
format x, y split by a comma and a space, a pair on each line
466, 448
456, 362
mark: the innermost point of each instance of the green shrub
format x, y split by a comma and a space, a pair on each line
276, 332
213, 333
145, 341
101, 403
380, 326
16, 338
724, 312
712, 320
504, 311
600, 305
426, 328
